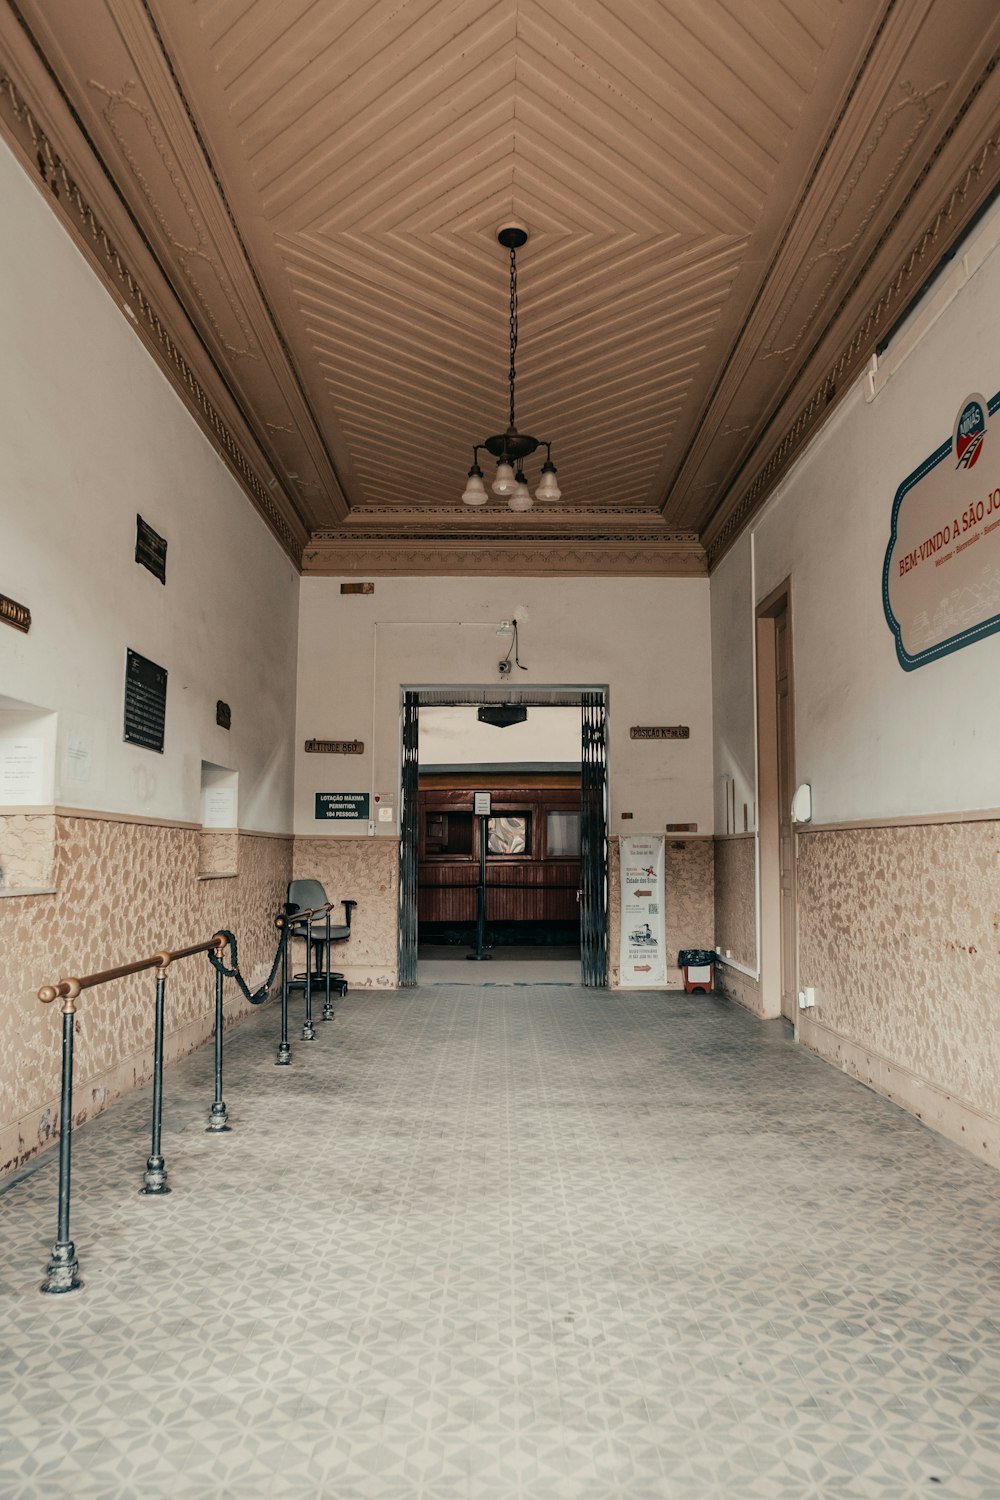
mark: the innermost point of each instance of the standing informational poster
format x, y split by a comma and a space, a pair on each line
643, 958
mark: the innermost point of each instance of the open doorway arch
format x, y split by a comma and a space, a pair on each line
593, 888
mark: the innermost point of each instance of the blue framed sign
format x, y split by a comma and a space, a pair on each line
941, 575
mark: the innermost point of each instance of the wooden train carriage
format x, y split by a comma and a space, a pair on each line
532, 856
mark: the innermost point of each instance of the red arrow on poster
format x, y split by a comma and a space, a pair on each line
642, 893
642, 968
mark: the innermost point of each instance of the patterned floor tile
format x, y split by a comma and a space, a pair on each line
505, 1242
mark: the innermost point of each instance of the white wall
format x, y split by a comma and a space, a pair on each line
874, 740
454, 736
646, 639
732, 703
90, 434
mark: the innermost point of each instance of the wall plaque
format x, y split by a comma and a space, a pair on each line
150, 549
223, 715
335, 747
941, 573
659, 732
12, 613
145, 702
352, 805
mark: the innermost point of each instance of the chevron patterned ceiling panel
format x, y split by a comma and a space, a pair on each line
386, 143
727, 203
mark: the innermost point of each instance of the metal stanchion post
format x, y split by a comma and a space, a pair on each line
218, 1115
155, 1176
480, 954
62, 1271
308, 1029
284, 1050
328, 1003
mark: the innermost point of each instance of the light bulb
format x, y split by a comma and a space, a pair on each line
548, 489
475, 490
505, 482
521, 498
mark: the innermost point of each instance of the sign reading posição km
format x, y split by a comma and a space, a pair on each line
353, 805
941, 576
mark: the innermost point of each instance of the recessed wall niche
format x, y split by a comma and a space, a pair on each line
27, 794
219, 846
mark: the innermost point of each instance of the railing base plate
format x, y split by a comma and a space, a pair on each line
62, 1271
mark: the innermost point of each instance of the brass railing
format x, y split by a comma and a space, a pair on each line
63, 1270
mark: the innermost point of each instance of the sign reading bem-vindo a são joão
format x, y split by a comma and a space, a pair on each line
352, 805
941, 575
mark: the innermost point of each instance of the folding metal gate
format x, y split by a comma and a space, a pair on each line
594, 843
409, 845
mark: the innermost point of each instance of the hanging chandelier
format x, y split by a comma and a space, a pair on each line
511, 448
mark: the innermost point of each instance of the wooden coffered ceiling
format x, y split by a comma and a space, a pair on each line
296, 201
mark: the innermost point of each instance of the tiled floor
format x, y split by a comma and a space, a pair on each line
526, 1242
504, 966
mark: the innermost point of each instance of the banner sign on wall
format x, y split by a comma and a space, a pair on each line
643, 956
941, 576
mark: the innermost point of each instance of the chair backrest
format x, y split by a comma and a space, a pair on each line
306, 894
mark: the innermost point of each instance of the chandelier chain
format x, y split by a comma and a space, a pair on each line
513, 328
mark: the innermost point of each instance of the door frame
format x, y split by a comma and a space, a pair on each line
771, 939
472, 696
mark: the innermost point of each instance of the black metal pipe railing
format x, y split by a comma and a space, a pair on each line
63, 1270
288, 924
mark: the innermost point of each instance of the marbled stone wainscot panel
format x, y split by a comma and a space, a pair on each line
689, 866
365, 870
899, 932
742, 988
735, 897
27, 850
218, 851
123, 891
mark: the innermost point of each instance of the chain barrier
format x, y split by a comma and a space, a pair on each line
256, 997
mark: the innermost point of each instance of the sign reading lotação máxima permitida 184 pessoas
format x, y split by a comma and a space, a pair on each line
941, 576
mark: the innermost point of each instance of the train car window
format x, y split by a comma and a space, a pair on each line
448, 832
563, 835
509, 835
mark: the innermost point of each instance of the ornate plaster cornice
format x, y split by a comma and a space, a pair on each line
873, 317
533, 551
32, 140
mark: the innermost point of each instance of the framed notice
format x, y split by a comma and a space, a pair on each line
150, 549
643, 957
145, 702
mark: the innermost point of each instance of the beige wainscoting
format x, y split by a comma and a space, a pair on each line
365, 870
27, 850
899, 933
736, 897
123, 890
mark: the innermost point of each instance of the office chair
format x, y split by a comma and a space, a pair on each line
303, 895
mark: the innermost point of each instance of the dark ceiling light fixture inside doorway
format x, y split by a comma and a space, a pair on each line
511, 448
502, 715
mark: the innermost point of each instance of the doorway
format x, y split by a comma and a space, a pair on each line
776, 759
503, 836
